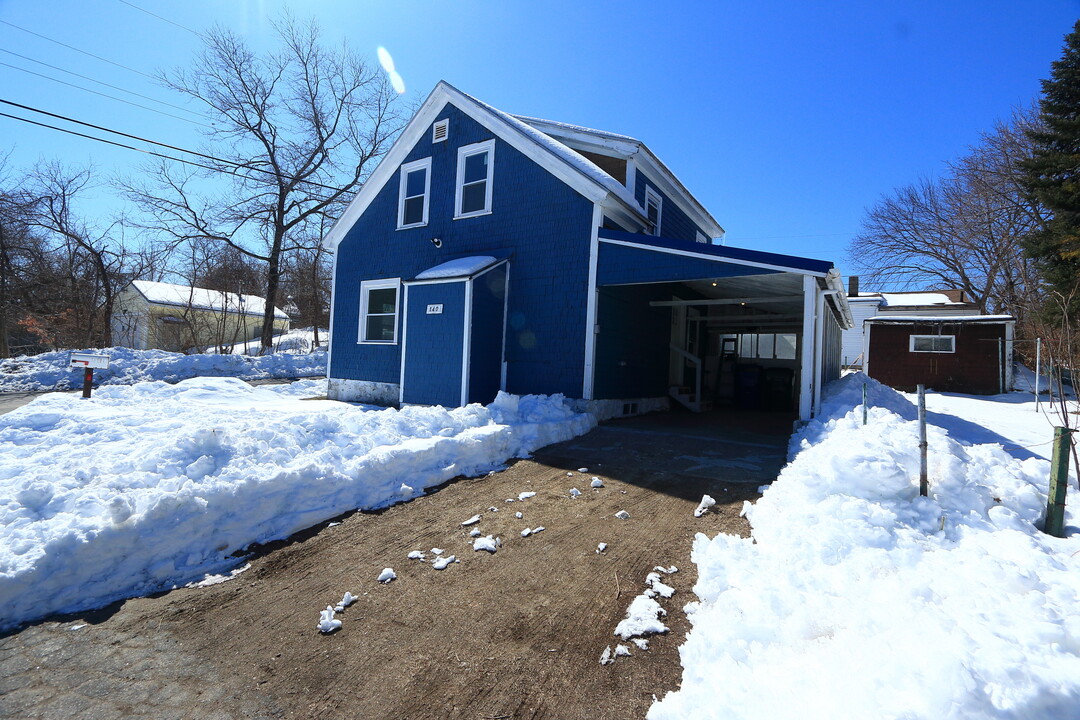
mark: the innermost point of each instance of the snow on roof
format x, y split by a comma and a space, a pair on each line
914, 299
160, 293
566, 153
940, 318
461, 267
579, 128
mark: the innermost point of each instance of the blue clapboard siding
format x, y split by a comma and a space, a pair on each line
536, 220
674, 223
485, 355
632, 352
433, 350
620, 265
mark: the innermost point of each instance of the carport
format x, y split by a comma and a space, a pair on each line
712, 326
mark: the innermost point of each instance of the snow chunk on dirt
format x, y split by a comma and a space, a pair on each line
526, 495
442, 562
703, 507
596, 483
606, 657
622, 515
574, 492
417, 555
642, 618
602, 547
488, 543
327, 622
346, 600
387, 575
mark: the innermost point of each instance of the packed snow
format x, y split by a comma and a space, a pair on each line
596, 483
642, 618
869, 601
51, 371
387, 575
703, 507
441, 563
150, 486
488, 543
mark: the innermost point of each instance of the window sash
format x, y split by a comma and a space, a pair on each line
379, 304
413, 194
933, 343
475, 170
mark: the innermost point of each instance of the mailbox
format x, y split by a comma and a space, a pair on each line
90, 361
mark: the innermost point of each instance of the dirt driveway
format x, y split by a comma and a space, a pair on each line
516, 634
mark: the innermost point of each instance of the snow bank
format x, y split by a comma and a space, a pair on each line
856, 598
150, 486
50, 371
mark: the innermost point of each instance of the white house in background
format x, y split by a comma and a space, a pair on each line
155, 315
864, 306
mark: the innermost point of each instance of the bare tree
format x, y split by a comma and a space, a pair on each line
296, 133
963, 230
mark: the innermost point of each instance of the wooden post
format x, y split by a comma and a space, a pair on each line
924, 484
1059, 476
864, 403
87, 381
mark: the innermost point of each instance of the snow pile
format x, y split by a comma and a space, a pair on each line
869, 601
50, 371
150, 486
299, 340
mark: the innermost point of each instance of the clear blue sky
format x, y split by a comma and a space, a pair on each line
787, 119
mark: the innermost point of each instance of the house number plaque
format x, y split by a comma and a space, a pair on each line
434, 309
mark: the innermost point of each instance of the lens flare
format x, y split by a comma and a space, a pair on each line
385, 60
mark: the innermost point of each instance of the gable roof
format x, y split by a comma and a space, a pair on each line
568, 165
635, 150
182, 296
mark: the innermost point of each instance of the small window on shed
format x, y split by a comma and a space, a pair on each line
933, 343
440, 130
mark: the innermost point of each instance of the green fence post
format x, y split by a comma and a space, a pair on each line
1059, 476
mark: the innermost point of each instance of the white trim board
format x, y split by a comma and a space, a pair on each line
703, 256
503, 129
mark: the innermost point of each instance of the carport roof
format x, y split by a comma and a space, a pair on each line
741, 256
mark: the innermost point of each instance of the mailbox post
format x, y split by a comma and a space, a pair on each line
87, 362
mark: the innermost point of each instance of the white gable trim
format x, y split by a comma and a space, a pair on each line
416, 130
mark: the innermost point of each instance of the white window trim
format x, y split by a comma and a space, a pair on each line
651, 194
407, 168
466, 151
365, 287
912, 338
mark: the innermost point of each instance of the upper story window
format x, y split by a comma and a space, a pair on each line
654, 205
413, 194
933, 343
474, 170
378, 311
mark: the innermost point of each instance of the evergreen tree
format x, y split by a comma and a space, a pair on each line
1053, 175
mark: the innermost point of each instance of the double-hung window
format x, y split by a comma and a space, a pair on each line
654, 205
933, 343
378, 311
472, 195
413, 194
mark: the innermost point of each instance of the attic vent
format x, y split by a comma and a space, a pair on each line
438, 132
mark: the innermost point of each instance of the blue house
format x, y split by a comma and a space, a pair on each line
496, 252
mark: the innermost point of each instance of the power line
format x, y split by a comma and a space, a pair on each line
72, 47
99, 82
105, 95
231, 163
165, 19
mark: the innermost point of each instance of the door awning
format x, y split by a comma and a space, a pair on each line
460, 268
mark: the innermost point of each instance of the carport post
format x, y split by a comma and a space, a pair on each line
806, 349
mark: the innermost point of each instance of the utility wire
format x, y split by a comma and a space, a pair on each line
231, 163
105, 95
72, 47
165, 19
99, 82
